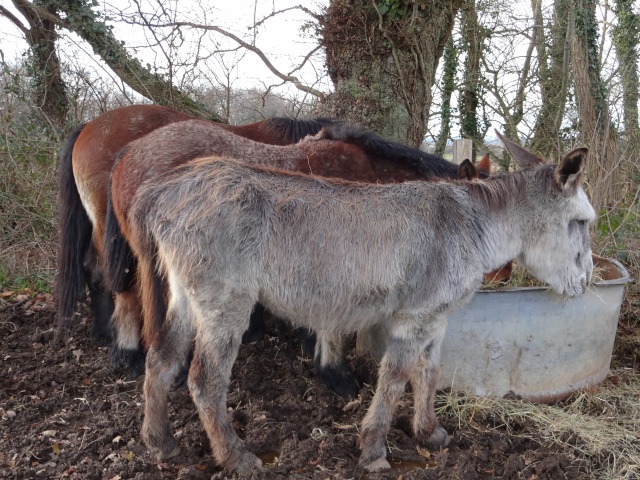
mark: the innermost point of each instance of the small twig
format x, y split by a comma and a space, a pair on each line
14, 306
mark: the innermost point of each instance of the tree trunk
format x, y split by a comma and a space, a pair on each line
553, 71
81, 19
625, 39
448, 86
44, 67
382, 59
597, 131
472, 41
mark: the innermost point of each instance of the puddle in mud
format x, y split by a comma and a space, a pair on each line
400, 464
269, 457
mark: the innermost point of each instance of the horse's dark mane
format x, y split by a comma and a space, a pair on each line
293, 130
430, 166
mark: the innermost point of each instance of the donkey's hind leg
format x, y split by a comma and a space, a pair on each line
165, 358
424, 378
330, 364
126, 350
220, 329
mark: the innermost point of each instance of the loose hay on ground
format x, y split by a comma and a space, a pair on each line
599, 425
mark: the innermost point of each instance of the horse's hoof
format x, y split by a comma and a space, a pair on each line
257, 328
251, 336
130, 362
309, 340
438, 439
100, 338
338, 378
377, 465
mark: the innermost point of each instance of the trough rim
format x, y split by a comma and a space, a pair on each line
623, 280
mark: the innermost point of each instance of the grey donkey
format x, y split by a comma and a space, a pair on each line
335, 256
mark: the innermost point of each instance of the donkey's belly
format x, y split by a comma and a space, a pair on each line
323, 314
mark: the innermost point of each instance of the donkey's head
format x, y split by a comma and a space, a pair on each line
556, 247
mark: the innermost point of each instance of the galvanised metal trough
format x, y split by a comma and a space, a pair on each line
533, 343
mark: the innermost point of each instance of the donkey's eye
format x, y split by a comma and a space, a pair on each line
577, 223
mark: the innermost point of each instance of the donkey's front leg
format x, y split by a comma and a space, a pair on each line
424, 379
393, 374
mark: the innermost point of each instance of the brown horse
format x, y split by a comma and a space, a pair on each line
87, 159
338, 151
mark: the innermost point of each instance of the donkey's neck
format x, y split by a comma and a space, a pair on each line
500, 202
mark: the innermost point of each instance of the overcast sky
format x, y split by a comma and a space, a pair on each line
279, 37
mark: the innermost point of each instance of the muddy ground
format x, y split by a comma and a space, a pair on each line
66, 414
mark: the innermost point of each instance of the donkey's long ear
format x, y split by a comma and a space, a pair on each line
466, 170
525, 158
568, 174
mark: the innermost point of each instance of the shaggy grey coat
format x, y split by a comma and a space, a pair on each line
336, 257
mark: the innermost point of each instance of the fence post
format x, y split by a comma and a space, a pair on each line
462, 149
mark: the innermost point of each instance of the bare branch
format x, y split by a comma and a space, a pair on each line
284, 77
15, 20
278, 12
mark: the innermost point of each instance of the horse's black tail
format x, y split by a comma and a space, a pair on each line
428, 165
75, 230
119, 261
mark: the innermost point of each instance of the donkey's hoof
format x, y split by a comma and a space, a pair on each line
377, 465
438, 439
166, 451
248, 463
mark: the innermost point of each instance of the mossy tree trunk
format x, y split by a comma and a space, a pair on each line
626, 38
473, 38
382, 58
448, 87
50, 93
553, 72
596, 129
80, 18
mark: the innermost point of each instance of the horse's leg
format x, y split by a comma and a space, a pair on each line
217, 342
165, 358
330, 364
308, 338
257, 328
126, 351
424, 378
101, 299
400, 358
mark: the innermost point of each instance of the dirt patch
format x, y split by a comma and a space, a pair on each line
66, 414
